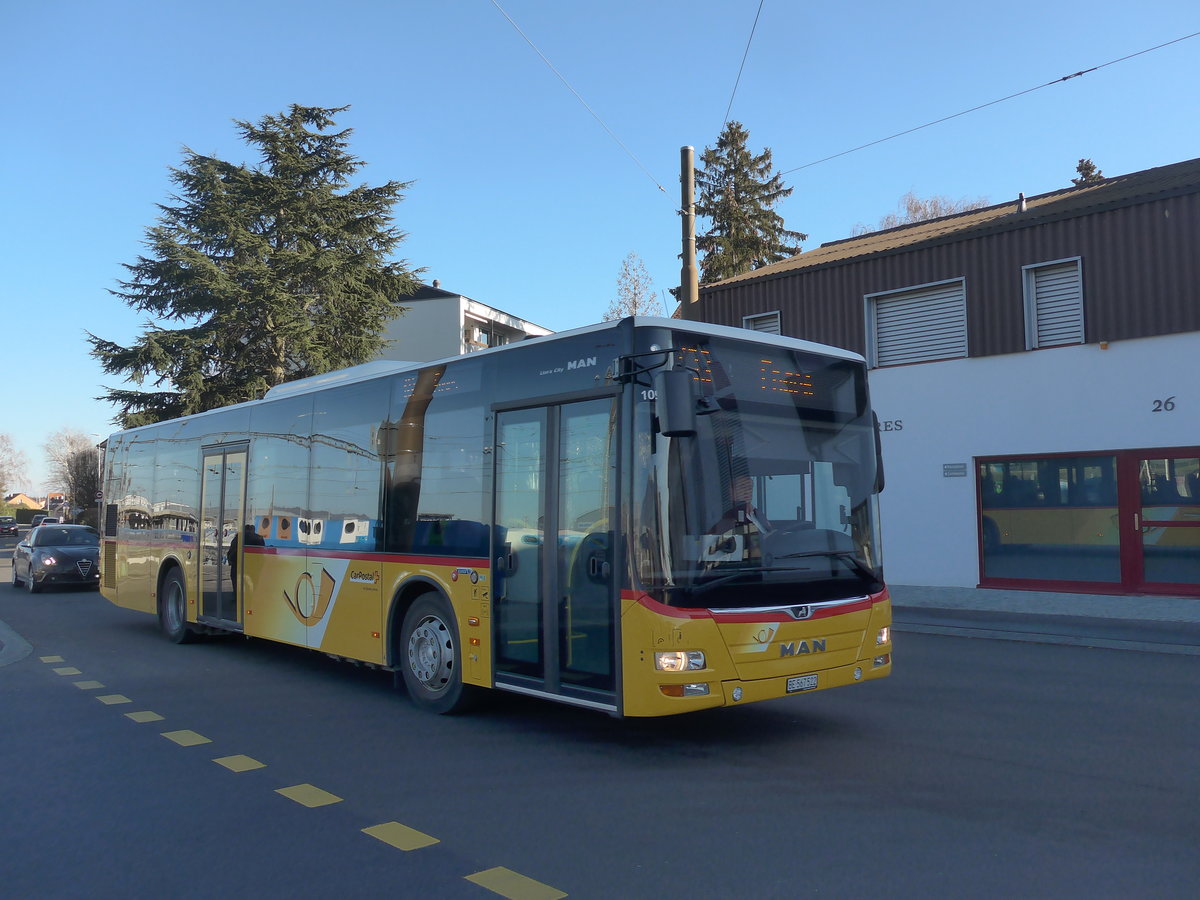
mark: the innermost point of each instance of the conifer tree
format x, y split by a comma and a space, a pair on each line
1088, 173
737, 193
271, 273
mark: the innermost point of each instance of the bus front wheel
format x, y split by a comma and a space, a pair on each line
172, 610
430, 657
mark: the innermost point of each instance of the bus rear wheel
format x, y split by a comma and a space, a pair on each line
430, 657
172, 610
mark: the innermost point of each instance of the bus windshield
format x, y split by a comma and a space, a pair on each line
772, 501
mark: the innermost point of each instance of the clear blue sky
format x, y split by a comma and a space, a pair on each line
520, 199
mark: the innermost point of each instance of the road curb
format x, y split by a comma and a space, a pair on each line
1178, 638
1032, 637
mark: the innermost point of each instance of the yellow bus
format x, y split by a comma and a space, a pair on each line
644, 517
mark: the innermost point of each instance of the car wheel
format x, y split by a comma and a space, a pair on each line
430, 658
172, 610
31, 584
16, 582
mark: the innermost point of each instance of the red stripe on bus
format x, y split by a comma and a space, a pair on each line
662, 609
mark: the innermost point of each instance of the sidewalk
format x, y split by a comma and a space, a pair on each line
1155, 624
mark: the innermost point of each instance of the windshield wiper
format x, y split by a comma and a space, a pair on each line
706, 586
847, 556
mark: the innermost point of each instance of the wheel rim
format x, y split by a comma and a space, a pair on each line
431, 653
173, 608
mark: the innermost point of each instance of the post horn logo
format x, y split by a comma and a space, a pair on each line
310, 606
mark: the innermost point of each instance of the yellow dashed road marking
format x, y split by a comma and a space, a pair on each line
400, 836
144, 716
307, 795
186, 738
239, 763
498, 880
514, 886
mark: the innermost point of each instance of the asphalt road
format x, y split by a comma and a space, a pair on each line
980, 769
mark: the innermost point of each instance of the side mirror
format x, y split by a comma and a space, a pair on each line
675, 402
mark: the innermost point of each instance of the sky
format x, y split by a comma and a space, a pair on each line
522, 197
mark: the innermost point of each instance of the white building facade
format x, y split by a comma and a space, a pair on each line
440, 324
1060, 415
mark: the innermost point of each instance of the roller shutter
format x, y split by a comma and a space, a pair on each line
920, 325
1054, 295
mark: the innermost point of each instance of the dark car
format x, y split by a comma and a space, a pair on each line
57, 554
8, 525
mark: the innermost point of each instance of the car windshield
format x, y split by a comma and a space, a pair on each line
51, 536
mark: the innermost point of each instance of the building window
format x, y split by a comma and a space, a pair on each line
1050, 519
1053, 303
917, 324
481, 335
1127, 520
768, 323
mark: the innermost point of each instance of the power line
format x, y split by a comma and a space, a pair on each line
991, 103
594, 115
738, 80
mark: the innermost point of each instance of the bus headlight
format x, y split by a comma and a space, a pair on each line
678, 660
885, 635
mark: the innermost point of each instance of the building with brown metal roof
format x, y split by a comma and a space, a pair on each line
1035, 372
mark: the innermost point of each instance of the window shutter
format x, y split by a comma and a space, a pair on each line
1057, 304
921, 325
767, 323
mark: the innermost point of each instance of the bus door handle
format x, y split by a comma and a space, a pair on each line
598, 569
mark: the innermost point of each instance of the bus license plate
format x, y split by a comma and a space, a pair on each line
801, 683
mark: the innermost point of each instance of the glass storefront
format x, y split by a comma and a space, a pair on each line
1126, 521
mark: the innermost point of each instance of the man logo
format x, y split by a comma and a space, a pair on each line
797, 648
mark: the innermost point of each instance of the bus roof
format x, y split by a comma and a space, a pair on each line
382, 367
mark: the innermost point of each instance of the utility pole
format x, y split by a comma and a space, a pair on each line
689, 286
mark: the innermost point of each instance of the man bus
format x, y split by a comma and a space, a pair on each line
643, 517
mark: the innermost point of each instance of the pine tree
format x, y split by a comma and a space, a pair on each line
273, 273
737, 194
1088, 173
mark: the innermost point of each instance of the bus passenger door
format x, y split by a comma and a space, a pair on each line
555, 515
222, 503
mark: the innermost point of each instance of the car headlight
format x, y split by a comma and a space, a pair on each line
48, 560
679, 660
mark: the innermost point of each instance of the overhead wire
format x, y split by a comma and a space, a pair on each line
956, 115
745, 54
583, 102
